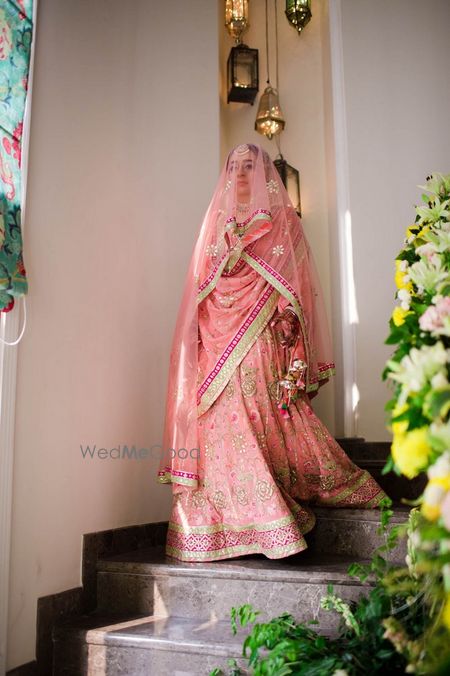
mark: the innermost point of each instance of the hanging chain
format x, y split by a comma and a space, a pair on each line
267, 44
276, 45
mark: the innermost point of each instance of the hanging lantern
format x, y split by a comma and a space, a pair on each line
236, 18
291, 181
242, 69
269, 118
298, 13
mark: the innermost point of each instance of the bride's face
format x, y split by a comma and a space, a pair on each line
242, 167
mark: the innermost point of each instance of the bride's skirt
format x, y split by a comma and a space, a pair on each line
259, 472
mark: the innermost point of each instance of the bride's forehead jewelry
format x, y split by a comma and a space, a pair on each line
242, 149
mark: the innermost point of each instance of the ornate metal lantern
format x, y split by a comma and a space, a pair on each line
236, 18
298, 13
269, 119
242, 68
291, 181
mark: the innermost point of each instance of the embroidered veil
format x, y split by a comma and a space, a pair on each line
249, 261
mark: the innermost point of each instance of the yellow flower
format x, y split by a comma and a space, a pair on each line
423, 230
446, 612
398, 316
441, 481
431, 512
433, 495
399, 428
410, 451
399, 275
414, 226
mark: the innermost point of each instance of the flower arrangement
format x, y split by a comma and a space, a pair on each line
419, 370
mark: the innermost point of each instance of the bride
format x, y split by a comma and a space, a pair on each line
243, 450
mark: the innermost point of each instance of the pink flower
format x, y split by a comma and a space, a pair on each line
445, 510
433, 319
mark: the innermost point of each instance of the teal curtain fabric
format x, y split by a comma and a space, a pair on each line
16, 31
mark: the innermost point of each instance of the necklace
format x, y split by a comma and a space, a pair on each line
242, 207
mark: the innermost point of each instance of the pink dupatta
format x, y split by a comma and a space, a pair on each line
241, 271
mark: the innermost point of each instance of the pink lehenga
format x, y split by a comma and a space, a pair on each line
244, 451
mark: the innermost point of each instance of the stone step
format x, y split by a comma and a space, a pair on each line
144, 645
158, 615
151, 582
147, 580
353, 532
372, 455
359, 450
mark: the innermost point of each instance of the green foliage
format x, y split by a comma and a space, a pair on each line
282, 646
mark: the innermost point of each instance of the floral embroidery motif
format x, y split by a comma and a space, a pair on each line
248, 381
238, 442
241, 496
198, 498
227, 299
229, 389
219, 499
227, 186
262, 440
209, 450
272, 186
264, 489
278, 250
212, 250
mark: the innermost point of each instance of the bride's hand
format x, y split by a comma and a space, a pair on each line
286, 326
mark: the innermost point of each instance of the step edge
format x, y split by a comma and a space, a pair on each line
295, 577
79, 635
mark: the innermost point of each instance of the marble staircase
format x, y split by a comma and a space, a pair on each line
156, 615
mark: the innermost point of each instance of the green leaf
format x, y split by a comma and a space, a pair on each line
437, 403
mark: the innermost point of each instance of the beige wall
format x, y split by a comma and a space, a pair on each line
301, 85
397, 96
124, 155
126, 144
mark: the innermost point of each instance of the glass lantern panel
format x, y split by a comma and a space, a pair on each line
243, 75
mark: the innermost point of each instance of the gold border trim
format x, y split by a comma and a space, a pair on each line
201, 295
281, 288
366, 477
254, 548
169, 478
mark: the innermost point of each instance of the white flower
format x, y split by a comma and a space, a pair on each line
278, 250
439, 381
433, 494
417, 368
429, 252
437, 183
441, 467
439, 238
428, 274
405, 297
403, 266
434, 213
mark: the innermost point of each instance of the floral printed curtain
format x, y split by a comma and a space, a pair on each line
16, 29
